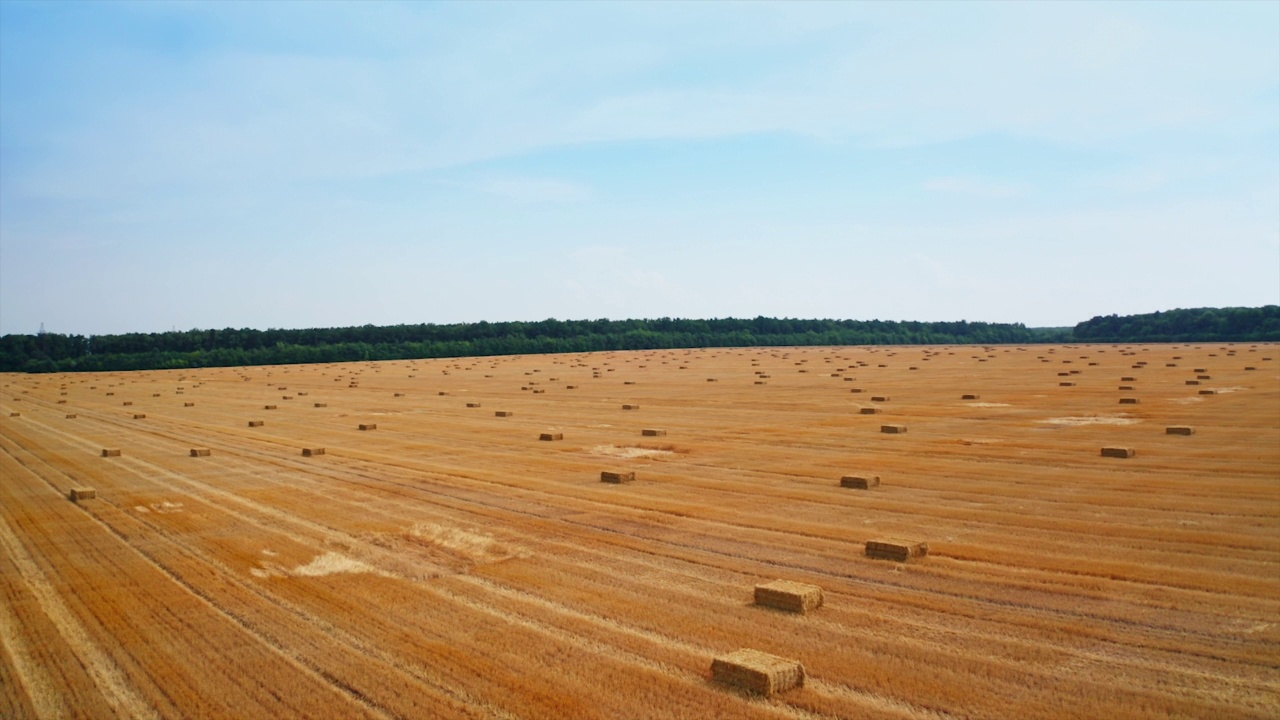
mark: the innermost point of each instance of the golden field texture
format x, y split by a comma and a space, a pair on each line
452, 564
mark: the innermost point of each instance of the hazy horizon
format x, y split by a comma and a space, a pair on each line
577, 319
276, 165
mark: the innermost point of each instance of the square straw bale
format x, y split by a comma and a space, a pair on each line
758, 673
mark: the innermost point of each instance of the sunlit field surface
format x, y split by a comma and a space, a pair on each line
447, 562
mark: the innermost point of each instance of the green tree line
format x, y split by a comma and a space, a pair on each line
1232, 324
50, 352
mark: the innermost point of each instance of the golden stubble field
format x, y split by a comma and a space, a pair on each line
447, 562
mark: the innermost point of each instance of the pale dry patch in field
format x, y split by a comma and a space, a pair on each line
322, 565
426, 550
332, 563
1079, 420
620, 451
474, 547
163, 507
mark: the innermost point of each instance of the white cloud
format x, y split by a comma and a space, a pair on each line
610, 277
871, 74
1134, 180
532, 190
976, 186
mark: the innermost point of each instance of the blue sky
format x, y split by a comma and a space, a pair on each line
198, 165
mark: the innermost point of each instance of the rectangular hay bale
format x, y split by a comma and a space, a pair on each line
617, 477
551, 436
368, 426
860, 482
312, 452
893, 429
82, 493
200, 452
790, 596
1180, 430
256, 423
110, 452
1118, 452
651, 432
756, 672
899, 550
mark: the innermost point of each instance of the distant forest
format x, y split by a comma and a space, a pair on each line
1236, 324
51, 352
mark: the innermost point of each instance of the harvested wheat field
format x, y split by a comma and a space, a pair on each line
451, 564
